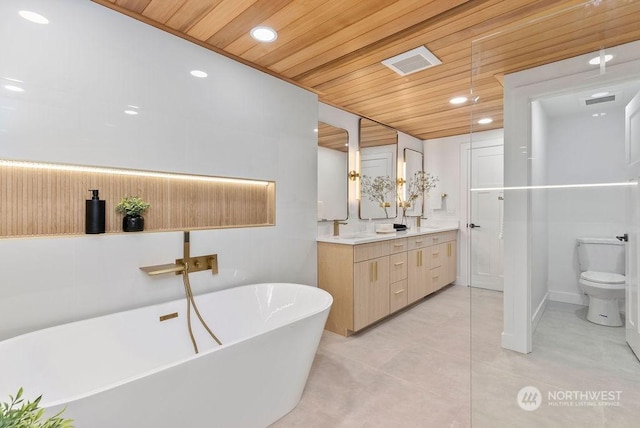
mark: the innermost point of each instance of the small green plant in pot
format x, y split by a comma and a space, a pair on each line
18, 414
132, 207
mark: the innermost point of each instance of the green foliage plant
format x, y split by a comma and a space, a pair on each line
132, 206
20, 414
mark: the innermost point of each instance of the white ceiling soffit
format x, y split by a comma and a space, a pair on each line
412, 61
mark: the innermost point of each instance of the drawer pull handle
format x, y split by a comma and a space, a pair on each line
398, 263
399, 291
419, 241
435, 254
398, 245
436, 239
435, 277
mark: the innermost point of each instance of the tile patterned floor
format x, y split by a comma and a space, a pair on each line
440, 364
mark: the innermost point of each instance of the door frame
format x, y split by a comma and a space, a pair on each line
520, 89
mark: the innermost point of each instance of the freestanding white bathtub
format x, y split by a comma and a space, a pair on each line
130, 369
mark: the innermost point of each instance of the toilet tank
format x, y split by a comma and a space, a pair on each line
601, 255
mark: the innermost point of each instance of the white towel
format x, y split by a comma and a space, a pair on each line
435, 201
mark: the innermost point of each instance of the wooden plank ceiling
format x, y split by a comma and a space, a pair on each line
335, 47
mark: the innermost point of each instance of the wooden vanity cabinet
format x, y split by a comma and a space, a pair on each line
418, 279
370, 281
370, 291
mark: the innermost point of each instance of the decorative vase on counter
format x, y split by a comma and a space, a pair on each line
132, 223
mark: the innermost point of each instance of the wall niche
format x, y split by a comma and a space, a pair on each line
42, 199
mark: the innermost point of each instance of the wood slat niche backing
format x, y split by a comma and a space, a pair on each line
36, 202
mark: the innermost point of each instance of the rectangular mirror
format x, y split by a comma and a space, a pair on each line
413, 164
378, 159
333, 164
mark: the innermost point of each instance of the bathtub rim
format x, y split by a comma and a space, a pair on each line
69, 399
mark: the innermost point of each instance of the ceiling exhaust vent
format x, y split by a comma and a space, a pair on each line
411, 61
607, 99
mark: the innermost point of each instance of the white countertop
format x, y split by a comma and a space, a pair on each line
364, 237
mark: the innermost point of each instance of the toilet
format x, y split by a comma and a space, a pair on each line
602, 278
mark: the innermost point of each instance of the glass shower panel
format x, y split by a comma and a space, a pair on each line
562, 173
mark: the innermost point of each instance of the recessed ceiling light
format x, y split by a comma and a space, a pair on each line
130, 112
458, 100
485, 121
33, 17
599, 94
596, 59
13, 88
198, 73
264, 34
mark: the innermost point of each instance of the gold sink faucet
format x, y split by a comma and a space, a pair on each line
336, 227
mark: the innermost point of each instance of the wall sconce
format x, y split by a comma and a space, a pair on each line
402, 180
354, 175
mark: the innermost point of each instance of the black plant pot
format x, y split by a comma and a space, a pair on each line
133, 223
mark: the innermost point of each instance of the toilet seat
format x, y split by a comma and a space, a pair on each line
603, 278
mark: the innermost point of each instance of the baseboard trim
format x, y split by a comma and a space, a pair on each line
573, 298
539, 312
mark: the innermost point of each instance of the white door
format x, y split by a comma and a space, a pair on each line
486, 218
632, 135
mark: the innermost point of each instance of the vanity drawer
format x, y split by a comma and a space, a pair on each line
445, 236
398, 295
369, 251
398, 245
436, 278
435, 256
398, 266
419, 241
430, 239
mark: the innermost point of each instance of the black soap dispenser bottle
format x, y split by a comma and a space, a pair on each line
95, 214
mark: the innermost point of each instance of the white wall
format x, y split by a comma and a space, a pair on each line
79, 73
583, 149
442, 159
350, 122
538, 199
